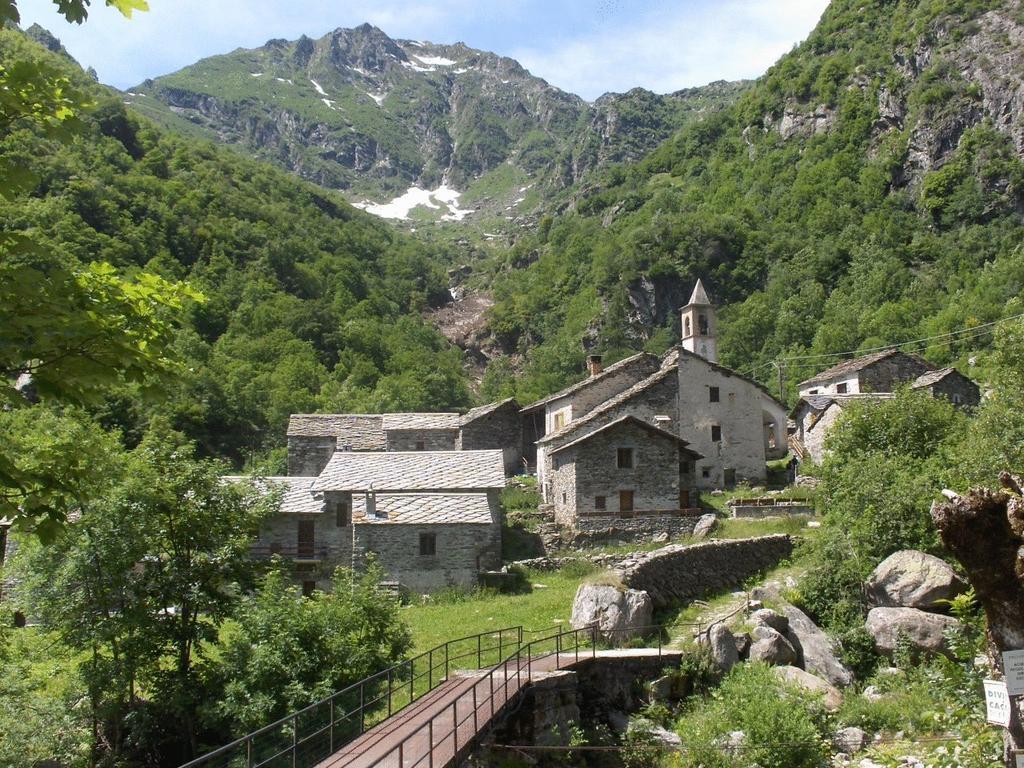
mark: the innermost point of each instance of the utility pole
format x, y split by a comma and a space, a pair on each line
782, 385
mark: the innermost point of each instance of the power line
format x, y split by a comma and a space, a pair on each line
963, 334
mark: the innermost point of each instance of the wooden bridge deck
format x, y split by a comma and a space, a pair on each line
438, 730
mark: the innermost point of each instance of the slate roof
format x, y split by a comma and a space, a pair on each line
485, 410
822, 402
669, 367
855, 364
933, 377
656, 431
393, 421
359, 431
425, 509
412, 471
609, 404
615, 367
699, 295
298, 497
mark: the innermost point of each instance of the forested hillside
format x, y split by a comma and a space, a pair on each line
309, 304
867, 190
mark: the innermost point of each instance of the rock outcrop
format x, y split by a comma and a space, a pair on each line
723, 647
620, 614
831, 697
815, 649
924, 631
912, 579
771, 647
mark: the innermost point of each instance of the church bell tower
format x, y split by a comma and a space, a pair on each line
700, 326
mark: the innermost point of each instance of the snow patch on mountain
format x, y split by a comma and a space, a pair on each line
414, 197
435, 61
318, 87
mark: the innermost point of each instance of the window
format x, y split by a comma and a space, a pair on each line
559, 419
841, 389
684, 467
686, 327
624, 458
428, 544
421, 445
306, 538
713, 394
625, 501
716, 433
730, 478
308, 588
565, 497
600, 503
342, 518
705, 473
702, 324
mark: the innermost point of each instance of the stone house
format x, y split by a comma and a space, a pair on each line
874, 376
626, 470
877, 372
950, 384
730, 420
814, 416
314, 437
555, 411
431, 518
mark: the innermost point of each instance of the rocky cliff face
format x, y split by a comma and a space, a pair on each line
360, 111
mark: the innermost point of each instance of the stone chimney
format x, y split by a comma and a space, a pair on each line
371, 503
594, 365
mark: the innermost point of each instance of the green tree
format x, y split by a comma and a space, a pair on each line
142, 582
288, 651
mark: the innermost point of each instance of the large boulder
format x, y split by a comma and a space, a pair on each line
912, 579
770, 618
924, 631
815, 649
723, 647
705, 525
831, 697
620, 614
850, 740
771, 648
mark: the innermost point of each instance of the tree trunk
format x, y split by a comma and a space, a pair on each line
985, 531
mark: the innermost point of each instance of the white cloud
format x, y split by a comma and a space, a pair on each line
678, 48
662, 45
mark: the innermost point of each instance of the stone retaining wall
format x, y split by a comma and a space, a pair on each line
770, 510
679, 572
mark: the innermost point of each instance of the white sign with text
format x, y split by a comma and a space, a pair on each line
997, 703
1013, 672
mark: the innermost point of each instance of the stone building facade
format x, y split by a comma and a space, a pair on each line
430, 518
314, 437
878, 372
952, 385
497, 426
421, 431
730, 420
625, 469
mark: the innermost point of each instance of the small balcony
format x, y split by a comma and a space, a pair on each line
299, 554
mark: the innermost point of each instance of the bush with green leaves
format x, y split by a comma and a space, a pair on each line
287, 651
783, 726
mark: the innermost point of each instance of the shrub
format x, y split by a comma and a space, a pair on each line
784, 727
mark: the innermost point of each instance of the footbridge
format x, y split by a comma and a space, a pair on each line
427, 712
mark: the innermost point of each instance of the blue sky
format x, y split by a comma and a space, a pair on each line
587, 47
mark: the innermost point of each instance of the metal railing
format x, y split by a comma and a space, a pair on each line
450, 733
312, 734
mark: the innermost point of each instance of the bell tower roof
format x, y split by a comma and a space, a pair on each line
699, 295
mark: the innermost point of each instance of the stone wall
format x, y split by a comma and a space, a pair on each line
307, 456
757, 511
637, 527
463, 550
432, 439
501, 428
957, 389
815, 429
888, 373
677, 572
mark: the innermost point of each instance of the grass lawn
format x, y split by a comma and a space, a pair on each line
541, 608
